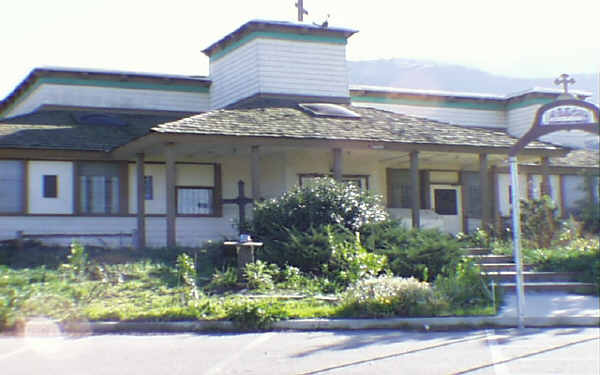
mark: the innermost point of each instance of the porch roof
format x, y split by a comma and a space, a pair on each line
578, 158
374, 125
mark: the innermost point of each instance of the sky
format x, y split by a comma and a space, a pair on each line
519, 38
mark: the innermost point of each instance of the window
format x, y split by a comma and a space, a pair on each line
446, 201
50, 186
99, 188
400, 188
11, 186
360, 181
471, 183
574, 194
148, 188
195, 201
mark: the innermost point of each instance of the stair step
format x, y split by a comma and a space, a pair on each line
476, 250
503, 267
573, 287
529, 276
491, 258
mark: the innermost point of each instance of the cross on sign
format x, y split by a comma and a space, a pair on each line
565, 81
301, 10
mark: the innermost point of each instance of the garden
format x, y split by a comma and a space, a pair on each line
330, 250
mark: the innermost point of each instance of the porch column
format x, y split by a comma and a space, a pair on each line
484, 184
255, 172
415, 189
171, 208
337, 164
546, 189
495, 198
141, 201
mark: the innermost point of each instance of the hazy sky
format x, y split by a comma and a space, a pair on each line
523, 38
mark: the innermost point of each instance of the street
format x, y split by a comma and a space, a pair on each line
502, 351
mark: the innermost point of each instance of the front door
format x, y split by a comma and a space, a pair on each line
446, 202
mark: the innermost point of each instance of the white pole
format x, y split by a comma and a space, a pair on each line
516, 226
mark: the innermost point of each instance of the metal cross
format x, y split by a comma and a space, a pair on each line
565, 81
301, 10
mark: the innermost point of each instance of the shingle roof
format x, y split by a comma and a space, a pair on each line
373, 125
578, 158
60, 129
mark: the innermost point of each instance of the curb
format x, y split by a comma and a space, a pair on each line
426, 324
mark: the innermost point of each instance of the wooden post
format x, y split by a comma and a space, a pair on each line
255, 172
141, 202
170, 188
337, 164
546, 187
415, 190
485, 191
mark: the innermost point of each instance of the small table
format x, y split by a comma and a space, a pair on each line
244, 251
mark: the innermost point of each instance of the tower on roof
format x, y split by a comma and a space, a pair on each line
279, 59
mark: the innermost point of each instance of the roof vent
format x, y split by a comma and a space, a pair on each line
99, 119
328, 110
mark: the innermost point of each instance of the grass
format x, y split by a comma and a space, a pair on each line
127, 286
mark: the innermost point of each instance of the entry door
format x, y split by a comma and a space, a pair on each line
445, 201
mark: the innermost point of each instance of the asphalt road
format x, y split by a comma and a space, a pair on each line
531, 351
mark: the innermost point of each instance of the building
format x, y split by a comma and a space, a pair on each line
104, 154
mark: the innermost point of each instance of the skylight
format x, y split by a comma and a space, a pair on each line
328, 110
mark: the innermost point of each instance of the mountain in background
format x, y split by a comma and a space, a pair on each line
427, 75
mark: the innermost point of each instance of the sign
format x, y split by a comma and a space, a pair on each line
567, 115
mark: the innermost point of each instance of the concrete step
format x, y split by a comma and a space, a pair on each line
567, 287
503, 267
476, 250
530, 276
486, 259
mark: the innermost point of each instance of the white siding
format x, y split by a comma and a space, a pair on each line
279, 67
575, 138
63, 203
111, 97
520, 120
456, 116
504, 191
234, 76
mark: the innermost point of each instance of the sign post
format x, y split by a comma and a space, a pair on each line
565, 113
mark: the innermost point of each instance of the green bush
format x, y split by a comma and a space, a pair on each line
464, 286
223, 280
291, 226
581, 256
260, 275
419, 253
539, 221
255, 315
386, 296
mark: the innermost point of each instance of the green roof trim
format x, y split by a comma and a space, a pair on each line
277, 35
472, 104
103, 83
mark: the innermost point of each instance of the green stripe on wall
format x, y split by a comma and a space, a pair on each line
103, 83
467, 104
275, 35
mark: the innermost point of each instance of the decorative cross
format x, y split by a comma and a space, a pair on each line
301, 10
565, 81
241, 202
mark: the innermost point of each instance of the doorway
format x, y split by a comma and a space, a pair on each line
446, 202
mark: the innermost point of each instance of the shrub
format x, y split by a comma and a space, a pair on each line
260, 275
253, 315
291, 226
386, 296
223, 280
419, 253
581, 256
539, 221
464, 286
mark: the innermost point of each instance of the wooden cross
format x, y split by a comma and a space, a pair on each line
565, 81
241, 202
301, 10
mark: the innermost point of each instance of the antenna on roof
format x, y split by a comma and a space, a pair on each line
301, 10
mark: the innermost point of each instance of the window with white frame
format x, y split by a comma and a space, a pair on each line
11, 186
99, 188
195, 200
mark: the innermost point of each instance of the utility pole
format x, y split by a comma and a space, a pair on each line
301, 10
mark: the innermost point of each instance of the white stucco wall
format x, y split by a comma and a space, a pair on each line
63, 203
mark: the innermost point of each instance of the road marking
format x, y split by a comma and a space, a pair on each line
251, 345
14, 352
499, 360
